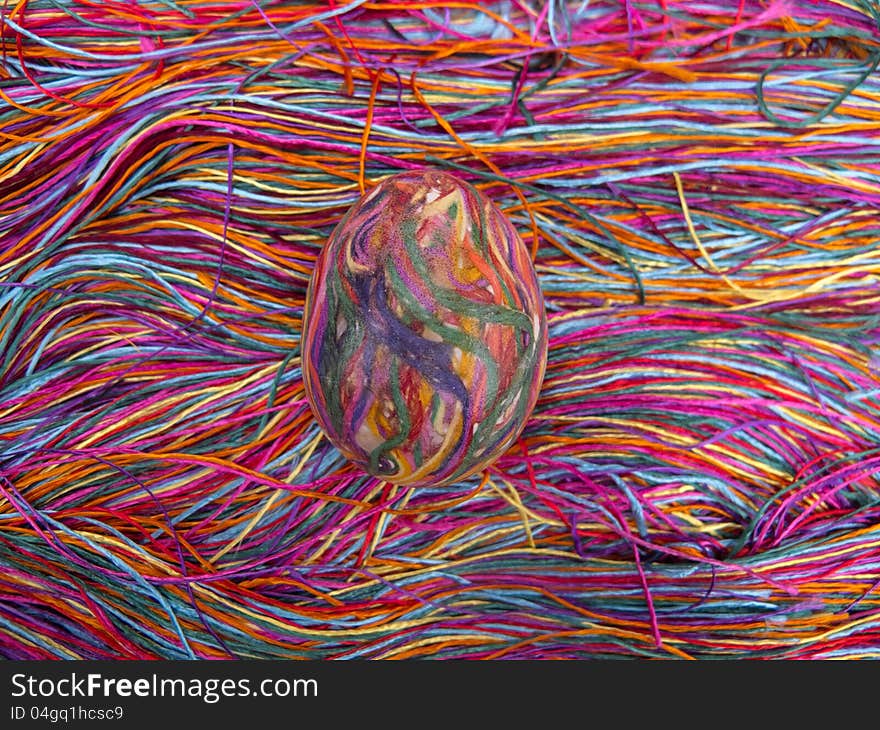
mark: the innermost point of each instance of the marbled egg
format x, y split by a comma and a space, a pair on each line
424, 332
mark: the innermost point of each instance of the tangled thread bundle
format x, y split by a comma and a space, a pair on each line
699, 185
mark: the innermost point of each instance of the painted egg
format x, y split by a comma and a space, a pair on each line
424, 332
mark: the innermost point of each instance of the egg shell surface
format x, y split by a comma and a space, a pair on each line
424, 332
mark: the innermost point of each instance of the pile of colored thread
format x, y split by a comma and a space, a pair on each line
699, 184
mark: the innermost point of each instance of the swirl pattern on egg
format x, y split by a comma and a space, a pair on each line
424, 332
